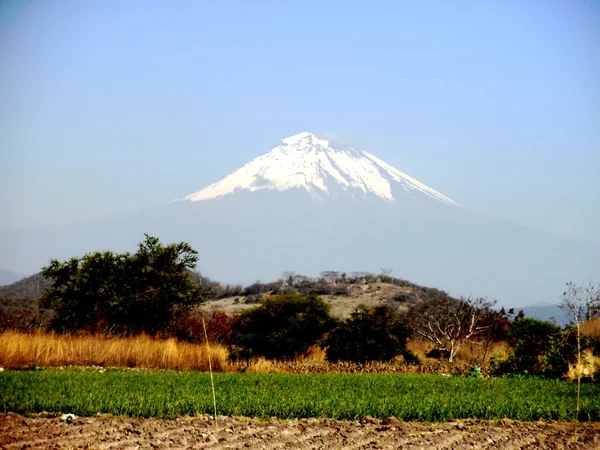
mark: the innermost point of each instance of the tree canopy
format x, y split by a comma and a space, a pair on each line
283, 327
126, 293
370, 334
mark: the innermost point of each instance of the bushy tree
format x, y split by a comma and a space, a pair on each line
370, 334
86, 292
161, 284
123, 293
539, 348
496, 328
283, 327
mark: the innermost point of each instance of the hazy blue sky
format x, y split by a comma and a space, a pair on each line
111, 106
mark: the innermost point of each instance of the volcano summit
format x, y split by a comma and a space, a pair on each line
323, 169
310, 205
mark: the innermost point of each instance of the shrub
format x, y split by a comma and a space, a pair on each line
411, 357
437, 353
403, 297
256, 289
228, 291
283, 327
254, 298
539, 348
219, 328
25, 319
585, 369
370, 334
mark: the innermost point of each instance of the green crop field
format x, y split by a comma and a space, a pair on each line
347, 396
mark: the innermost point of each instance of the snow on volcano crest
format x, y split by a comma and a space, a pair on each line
321, 168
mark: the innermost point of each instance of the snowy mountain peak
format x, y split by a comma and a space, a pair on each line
305, 139
324, 169
297, 137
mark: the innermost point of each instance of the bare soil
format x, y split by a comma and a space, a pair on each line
100, 432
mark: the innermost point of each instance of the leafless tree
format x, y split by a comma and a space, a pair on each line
449, 322
330, 276
386, 272
357, 275
287, 277
299, 279
581, 302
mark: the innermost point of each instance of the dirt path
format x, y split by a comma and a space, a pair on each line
19, 432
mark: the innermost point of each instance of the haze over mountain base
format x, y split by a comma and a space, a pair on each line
244, 239
309, 206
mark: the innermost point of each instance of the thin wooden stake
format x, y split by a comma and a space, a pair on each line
579, 370
212, 381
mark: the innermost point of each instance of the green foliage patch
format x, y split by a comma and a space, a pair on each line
340, 396
370, 334
120, 292
283, 327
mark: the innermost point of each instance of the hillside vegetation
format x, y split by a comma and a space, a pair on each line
7, 277
343, 292
26, 288
351, 319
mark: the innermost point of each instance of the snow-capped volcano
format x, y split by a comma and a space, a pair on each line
262, 219
322, 168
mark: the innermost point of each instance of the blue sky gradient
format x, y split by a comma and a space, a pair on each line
113, 106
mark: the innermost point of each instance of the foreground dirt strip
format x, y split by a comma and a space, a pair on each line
19, 432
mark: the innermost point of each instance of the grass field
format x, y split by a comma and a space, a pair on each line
170, 394
56, 350
29, 350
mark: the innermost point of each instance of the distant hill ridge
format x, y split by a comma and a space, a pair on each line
8, 277
342, 291
26, 288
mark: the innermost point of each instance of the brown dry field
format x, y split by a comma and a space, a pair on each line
19, 432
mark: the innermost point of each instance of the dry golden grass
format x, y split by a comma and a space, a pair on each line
52, 350
262, 365
588, 367
591, 328
469, 354
475, 353
315, 354
420, 348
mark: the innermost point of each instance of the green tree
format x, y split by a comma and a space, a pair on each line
125, 293
84, 291
539, 348
370, 334
282, 327
162, 285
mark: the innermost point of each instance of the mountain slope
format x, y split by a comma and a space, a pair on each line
246, 228
548, 311
30, 287
323, 169
8, 277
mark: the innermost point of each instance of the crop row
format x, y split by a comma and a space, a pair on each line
340, 396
